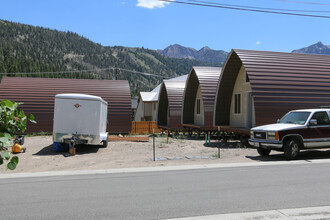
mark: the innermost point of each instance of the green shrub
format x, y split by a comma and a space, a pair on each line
12, 121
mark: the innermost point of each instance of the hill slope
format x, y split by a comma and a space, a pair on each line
26, 48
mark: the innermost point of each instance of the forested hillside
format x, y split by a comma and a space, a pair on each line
26, 48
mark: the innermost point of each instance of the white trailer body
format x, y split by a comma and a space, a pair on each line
82, 116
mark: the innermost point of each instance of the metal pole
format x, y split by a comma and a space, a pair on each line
209, 137
153, 143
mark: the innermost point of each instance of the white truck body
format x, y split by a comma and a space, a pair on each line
84, 116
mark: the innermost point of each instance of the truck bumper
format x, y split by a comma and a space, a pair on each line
266, 144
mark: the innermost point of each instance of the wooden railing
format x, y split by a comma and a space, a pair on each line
144, 127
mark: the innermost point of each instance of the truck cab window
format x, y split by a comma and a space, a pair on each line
322, 118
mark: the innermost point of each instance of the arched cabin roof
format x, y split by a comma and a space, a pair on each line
207, 78
280, 82
170, 97
38, 96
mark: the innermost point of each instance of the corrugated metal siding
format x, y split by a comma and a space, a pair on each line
280, 82
171, 94
38, 94
207, 78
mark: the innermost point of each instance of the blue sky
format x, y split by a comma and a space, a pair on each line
155, 25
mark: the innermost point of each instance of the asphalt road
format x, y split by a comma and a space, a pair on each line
166, 194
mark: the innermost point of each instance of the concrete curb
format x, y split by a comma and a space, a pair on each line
310, 213
160, 169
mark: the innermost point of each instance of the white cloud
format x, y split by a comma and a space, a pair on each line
258, 42
151, 4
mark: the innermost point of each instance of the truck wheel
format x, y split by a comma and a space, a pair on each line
263, 151
291, 149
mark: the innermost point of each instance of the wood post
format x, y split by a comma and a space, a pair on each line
167, 133
72, 151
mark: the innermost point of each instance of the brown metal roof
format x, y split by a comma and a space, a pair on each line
280, 82
170, 97
38, 94
207, 78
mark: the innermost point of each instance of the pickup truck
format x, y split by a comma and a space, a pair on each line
297, 130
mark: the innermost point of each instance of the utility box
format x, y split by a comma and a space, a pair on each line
80, 119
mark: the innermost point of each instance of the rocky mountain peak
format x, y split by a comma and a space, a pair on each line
205, 48
205, 54
317, 48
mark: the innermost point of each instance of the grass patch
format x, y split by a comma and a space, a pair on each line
165, 142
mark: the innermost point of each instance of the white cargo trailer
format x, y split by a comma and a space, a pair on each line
80, 119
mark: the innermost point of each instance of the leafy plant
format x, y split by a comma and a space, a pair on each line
5, 155
12, 121
4, 139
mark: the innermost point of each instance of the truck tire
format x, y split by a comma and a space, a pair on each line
263, 151
291, 149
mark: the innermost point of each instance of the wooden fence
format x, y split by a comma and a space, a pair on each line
144, 127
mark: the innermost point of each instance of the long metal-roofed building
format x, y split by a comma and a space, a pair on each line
38, 96
170, 104
198, 98
259, 87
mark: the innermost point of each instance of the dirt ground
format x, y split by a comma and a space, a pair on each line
40, 155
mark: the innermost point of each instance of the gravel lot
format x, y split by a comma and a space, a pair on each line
40, 155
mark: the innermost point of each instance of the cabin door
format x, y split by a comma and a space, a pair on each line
249, 110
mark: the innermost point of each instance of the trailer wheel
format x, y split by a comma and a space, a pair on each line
105, 143
263, 151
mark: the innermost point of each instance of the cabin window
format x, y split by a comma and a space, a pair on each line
237, 107
247, 77
198, 107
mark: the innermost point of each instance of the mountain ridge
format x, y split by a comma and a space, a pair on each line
205, 54
317, 48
